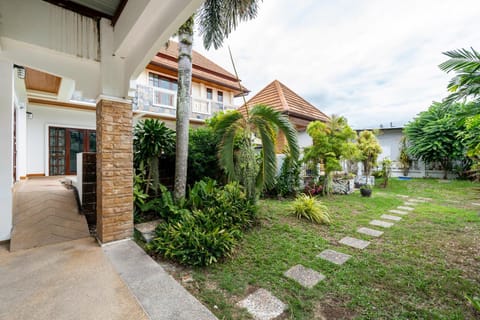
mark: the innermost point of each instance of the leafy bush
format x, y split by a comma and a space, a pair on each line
313, 189
202, 155
206, 226
288, 182
308, 207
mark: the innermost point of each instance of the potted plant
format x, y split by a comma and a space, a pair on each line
366, 190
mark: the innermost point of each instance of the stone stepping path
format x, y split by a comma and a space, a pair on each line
370, 232
475, 204
389, 217
380, 223
403, 196
306, 277
334, 256
410, 203
263, 305
405, 208
426, 199
398, 212
417, 200
355, 243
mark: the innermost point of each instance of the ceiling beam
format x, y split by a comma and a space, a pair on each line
118, 12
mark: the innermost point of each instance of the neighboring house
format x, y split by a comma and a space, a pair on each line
299, 111
56, 131
389, 139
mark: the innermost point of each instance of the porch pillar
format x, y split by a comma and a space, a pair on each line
114, 170
6, 148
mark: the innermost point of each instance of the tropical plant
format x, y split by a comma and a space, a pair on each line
151, 139
206, 227
332, 142
202, 155
288, 181
308, 207
216, 19
433, 136
386, 171
236, 152
466, 82
404, 157
369, 149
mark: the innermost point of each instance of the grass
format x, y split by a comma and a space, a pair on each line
421, 268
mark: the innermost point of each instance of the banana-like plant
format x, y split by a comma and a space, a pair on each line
236, 150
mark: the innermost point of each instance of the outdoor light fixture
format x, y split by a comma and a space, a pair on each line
20, 71
29, 115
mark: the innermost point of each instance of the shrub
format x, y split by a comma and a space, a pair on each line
313, 189
288, 182
202, 155
307, 207
206, 226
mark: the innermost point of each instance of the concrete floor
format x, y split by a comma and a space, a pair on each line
71, 280
45, 212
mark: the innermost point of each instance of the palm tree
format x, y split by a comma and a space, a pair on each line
236, 153
216, 20
466, 82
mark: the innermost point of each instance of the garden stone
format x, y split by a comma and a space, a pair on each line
306, 277
403, 196
334, 256
405, 208
410, 203
370, 232
354, 242
389, 217
147, 229
263, 305
417, 200
380, 223
426, 199
475, 204
398, 212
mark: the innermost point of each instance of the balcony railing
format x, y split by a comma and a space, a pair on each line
164, 101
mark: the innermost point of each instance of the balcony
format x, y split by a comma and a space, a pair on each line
162, 101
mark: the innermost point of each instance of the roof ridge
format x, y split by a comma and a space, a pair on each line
281, 95
301, 98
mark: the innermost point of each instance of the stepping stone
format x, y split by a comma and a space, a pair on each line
398, 212
263, 305
475, 204
334, 256
355, 243
389, 217
417, 200
402, 196
306, 277
452, 201
410, 203
380, 223
147, 229
426, 199
370, 232
405, 208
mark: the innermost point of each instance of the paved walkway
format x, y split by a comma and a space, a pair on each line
71, 280
45, 212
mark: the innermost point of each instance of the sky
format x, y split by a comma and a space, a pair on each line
374, 62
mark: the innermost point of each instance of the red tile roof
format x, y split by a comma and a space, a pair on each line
281, 98
202, 68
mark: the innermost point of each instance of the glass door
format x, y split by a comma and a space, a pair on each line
56, 152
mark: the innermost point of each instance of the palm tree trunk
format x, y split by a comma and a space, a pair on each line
185, 37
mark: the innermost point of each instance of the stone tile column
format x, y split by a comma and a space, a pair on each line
114, 170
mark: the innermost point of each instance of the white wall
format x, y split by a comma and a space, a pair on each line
390, 142
304, 140
6, 148
37, 132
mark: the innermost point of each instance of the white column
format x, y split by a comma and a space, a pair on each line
21, 141
6, 148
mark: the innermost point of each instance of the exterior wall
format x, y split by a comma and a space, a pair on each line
304, 140
6, 147
390, 142
37, 132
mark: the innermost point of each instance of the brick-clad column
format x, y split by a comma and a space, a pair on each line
114, 170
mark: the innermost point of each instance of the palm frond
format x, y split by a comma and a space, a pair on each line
282, 123
461, 59
227, 128
268, 165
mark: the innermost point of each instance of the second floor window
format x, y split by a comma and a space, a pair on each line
220, 96
209, 94
158, 81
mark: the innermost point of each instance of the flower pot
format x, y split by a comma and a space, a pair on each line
366, 192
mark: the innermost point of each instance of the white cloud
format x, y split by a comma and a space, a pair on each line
373, 61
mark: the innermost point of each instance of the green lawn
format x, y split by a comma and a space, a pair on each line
421, 268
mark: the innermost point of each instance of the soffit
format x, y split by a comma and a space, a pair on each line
40, 81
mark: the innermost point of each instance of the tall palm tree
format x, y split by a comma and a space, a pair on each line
216, 20
466, 82
236, 152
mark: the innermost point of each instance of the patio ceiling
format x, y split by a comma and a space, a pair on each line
110, 9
